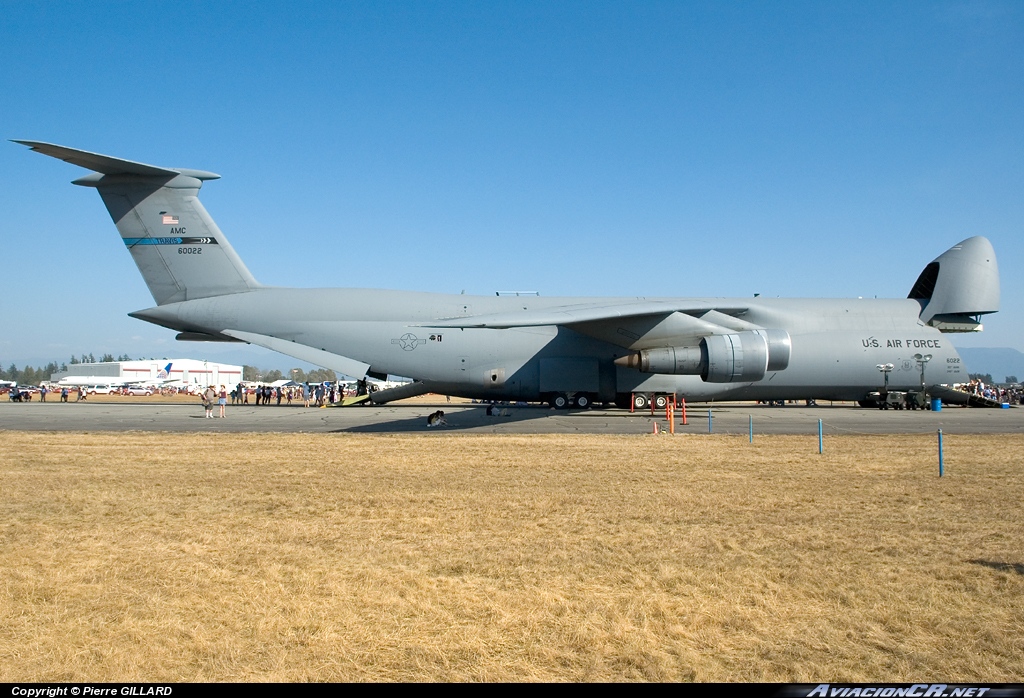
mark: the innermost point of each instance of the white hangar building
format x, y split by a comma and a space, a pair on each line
169, 371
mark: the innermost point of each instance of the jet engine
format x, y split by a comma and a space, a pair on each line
738, 357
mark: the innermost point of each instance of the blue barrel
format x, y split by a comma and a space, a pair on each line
936, 404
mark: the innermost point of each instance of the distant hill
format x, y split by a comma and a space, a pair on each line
999, 362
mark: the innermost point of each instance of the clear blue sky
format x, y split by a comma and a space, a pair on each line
678, 148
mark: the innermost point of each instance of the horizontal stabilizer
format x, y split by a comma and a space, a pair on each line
304, 352
108, 165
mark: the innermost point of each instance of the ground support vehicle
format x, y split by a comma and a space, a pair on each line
897, 400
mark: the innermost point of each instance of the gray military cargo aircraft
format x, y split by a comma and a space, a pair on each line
565, 351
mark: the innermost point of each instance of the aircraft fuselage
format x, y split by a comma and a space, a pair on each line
837, 344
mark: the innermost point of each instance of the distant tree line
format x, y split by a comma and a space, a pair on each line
106, 358
29, 375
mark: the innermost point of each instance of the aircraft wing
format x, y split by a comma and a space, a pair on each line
304, 352
632, 325
572, 314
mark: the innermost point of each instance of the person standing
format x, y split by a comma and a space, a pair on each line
223, 400
209, 396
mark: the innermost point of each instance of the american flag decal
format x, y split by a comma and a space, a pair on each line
170, 220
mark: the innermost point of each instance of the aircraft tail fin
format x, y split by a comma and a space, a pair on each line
179, 250
960, 285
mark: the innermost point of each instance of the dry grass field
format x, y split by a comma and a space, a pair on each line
180, 557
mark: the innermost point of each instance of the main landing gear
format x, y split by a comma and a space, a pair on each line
563, 401
642, 401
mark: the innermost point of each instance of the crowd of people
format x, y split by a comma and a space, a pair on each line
22, 394
1011, 394
316, 394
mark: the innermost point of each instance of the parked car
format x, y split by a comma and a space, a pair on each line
136, 390
100, 389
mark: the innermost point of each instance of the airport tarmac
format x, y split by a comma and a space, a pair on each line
727, 418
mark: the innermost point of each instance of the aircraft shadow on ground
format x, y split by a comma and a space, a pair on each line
476, 419
457, 420
1016, 567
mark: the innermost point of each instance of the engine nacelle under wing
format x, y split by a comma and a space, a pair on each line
739, 357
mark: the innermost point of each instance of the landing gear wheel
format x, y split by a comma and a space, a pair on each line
661, 401
559, 401
582, 401
640, 401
